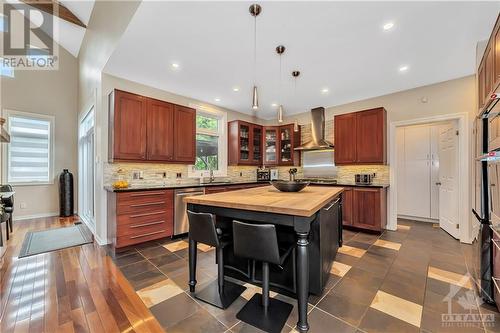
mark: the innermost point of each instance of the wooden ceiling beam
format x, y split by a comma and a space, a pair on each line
62, 12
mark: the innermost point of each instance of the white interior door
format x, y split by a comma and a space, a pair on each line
416, 201
86, 170
434, 131
448, 178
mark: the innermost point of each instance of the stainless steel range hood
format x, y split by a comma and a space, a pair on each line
318, 141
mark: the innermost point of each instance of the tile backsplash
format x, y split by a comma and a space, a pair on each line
153, 173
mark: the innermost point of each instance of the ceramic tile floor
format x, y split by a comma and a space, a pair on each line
403, 281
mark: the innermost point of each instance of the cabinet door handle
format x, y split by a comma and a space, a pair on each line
147, 214
146, 224
331, 205
146, 194
148, 204
438, 183
147, 234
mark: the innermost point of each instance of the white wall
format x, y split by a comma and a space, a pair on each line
49, 92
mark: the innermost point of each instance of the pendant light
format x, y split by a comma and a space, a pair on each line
255, 10
280, 49
295, 75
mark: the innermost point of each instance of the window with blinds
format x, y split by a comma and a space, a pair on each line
29, 153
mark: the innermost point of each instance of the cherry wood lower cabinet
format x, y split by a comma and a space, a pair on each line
365, 208
140, 216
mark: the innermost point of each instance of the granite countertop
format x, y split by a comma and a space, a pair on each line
146, 187
174, 186
376, 185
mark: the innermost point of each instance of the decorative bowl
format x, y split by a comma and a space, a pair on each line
289, 186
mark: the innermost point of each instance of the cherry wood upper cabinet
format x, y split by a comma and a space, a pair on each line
489, 62
361, 137
128, 126
244, 143
496, 48
371, 136
345, 138
146, 129
185, 134
160, 119
488, 72
481, 85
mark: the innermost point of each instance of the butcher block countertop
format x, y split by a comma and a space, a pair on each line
270, 200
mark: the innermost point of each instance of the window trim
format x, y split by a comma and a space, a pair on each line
5, 154
222, 133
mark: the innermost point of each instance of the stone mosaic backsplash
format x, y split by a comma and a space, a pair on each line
153, 173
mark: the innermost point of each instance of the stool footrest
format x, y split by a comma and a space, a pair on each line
210, 294
273, 321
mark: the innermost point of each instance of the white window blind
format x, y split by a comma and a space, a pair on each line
29, 151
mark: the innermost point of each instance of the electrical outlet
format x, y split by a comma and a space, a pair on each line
23, 205
241, 174
179, 175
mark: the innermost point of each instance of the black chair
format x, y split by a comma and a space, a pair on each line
4, 218
202, 229
260, 242
8, 204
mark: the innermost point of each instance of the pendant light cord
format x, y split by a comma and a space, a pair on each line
255, 51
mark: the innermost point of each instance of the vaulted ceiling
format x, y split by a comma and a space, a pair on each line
341, 48
67, 34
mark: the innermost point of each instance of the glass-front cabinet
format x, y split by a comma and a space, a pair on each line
257, 144
271, 152
286, 145
252, 144
244, 143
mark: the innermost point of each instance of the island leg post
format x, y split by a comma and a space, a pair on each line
302, 279
192, 264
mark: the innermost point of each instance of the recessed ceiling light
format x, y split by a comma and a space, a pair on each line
236, 89
388, 26
217, 99
175, 65
403, 68
274, 105
325, 90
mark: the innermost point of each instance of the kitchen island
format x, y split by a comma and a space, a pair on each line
311, 218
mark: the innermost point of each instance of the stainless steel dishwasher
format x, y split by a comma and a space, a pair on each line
181, 225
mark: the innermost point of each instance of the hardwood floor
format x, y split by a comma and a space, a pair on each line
78, 289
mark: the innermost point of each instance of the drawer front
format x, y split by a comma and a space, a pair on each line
143, 195
141, 228
127, 240
145, 217
137, 203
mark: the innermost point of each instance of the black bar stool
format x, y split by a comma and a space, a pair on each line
259, 242
8, 204
202, 229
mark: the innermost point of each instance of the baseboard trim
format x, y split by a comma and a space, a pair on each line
35, 216
419, 219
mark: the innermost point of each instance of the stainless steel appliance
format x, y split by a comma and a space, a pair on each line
319, 164
487, 200
364, 178
263, 174
181, 224
318, 141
